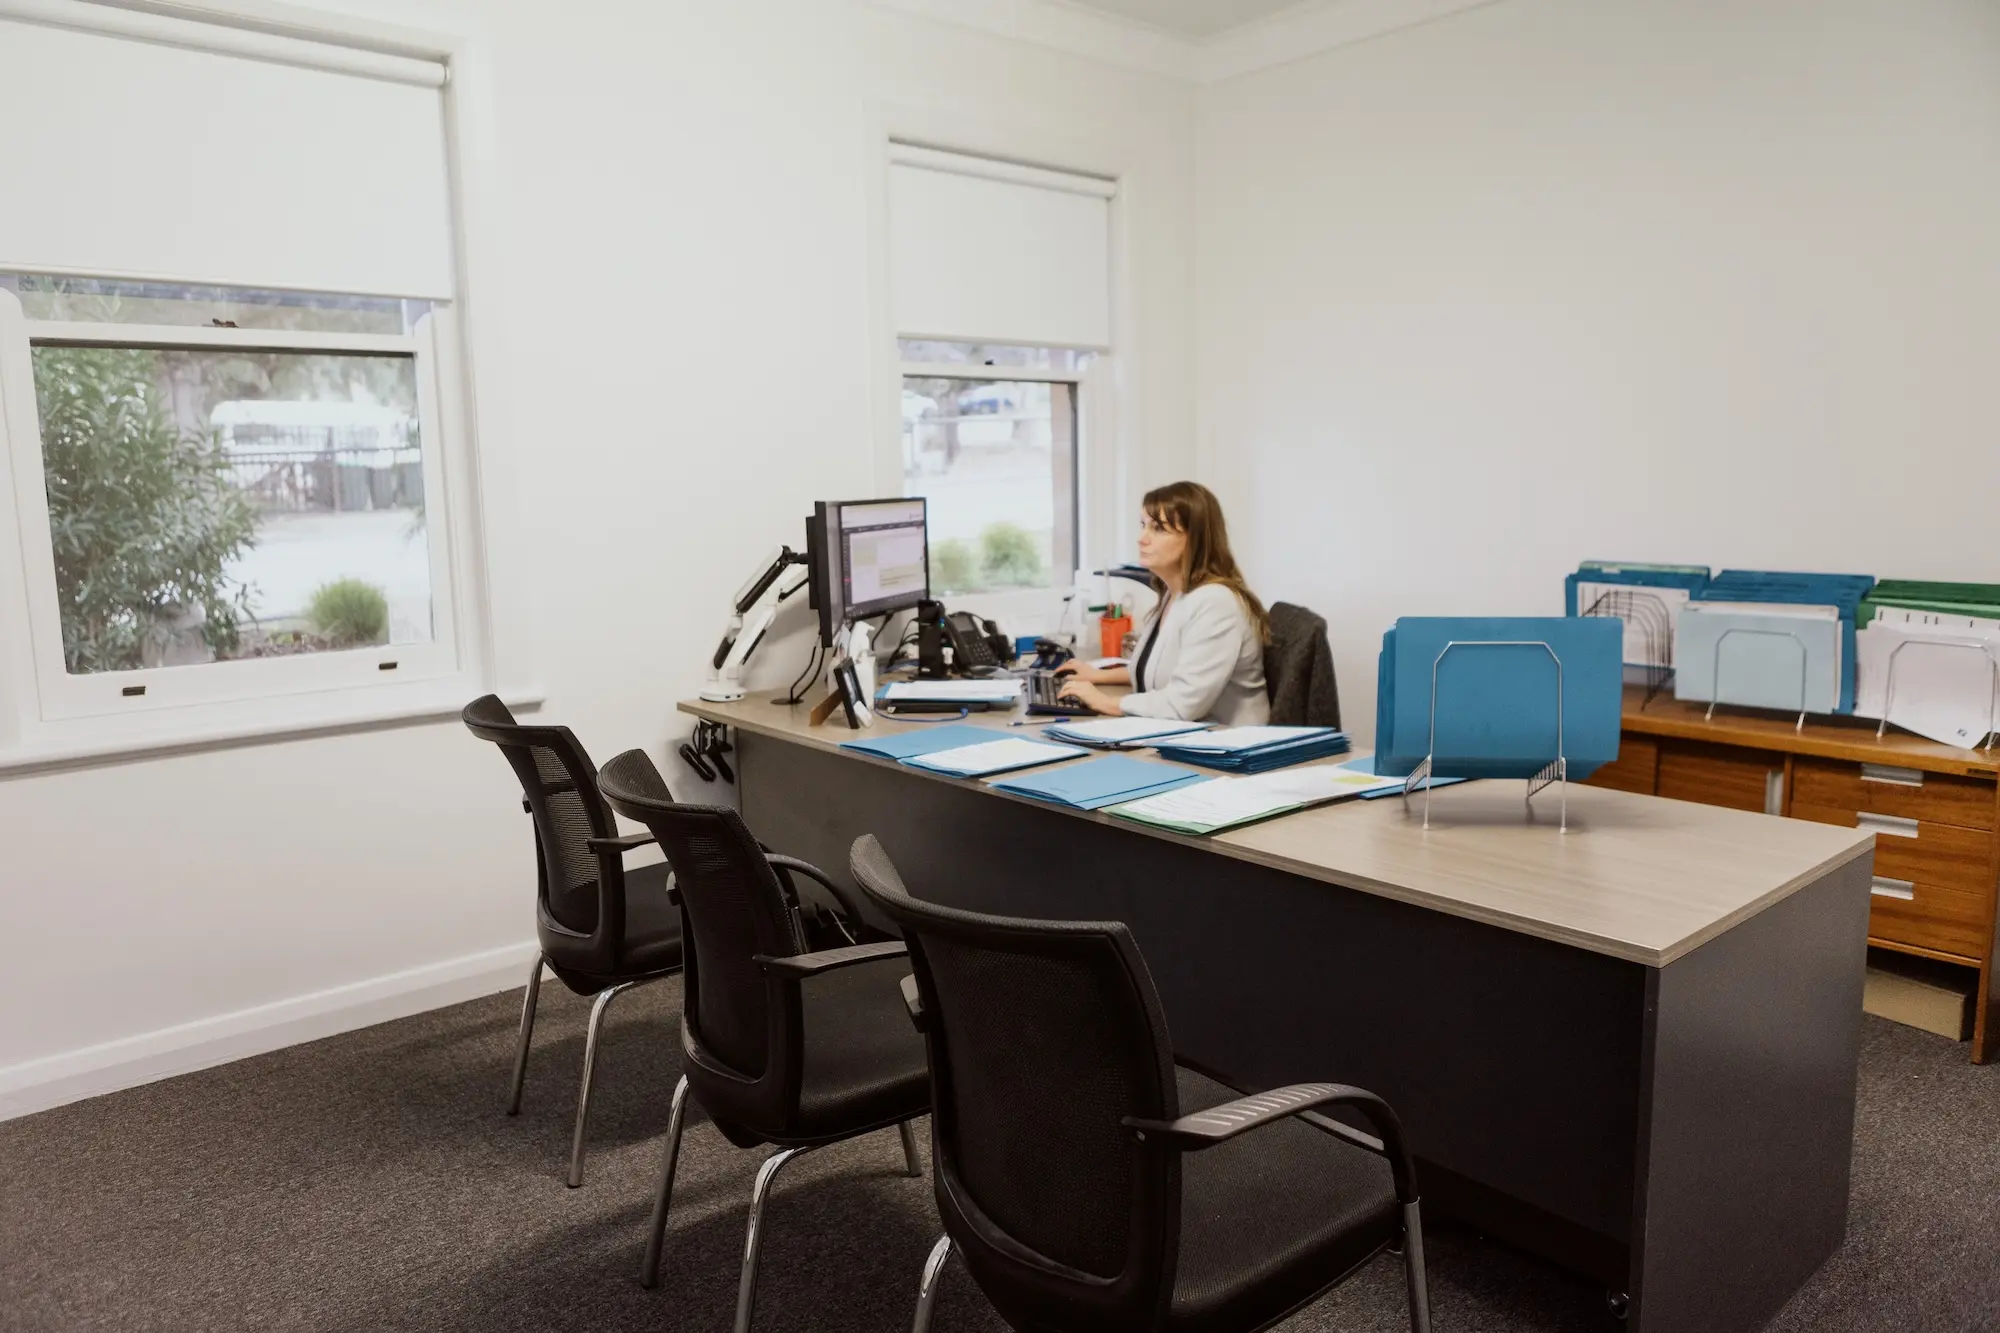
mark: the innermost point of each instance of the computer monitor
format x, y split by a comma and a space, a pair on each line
867, 557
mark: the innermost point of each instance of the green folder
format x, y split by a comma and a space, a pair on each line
1979, 600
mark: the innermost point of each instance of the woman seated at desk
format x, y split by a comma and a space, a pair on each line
1202, 655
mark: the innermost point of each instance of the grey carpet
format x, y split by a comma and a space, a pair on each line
370, 1181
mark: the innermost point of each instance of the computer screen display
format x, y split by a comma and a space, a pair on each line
882, 556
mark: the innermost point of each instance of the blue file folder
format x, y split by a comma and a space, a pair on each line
1497, 711
903, 745
1843, 592
1756, 660
1097, 783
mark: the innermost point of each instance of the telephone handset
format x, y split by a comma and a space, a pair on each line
976, 645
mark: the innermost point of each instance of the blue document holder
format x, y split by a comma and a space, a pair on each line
1497, 697
947, 736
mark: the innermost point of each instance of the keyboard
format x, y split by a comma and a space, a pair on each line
1042, 687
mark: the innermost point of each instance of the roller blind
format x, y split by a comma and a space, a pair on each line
984, 251
130, 157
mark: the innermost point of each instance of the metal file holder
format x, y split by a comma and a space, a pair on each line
1715, 679
1992, 690
1648, 612
1555, 772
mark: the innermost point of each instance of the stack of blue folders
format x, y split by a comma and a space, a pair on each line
1096, 783
1252, 749
1771, 640
932, 739
1499, 712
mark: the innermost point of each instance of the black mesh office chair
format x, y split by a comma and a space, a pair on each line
1088, 1181
602, 931
779, 1045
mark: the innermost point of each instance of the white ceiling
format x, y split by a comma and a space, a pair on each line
1189, 18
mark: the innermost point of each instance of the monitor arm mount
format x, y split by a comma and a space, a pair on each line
750, 615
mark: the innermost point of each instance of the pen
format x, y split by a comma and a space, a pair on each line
1033, 721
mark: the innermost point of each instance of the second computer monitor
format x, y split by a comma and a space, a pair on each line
881, 555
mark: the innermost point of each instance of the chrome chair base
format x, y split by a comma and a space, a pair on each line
927, 1289
760, 1193
597, 1008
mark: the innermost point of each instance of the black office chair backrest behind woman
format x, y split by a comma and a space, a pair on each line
1042, 1037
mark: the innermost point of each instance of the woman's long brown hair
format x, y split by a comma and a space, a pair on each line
1190, 507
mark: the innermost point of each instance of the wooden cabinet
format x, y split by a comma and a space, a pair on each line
1935, 811
1722, 775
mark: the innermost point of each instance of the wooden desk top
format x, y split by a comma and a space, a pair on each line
1636, 877
1851, 739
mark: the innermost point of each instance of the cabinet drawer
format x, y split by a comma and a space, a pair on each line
1722, 775
1942, 855
1942, 919
1636, 768
1937, 798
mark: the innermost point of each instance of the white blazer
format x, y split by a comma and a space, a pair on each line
1206, 663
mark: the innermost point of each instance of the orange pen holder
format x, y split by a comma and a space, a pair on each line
1111, 634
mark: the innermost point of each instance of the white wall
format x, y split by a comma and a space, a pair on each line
1666, 280
684, 359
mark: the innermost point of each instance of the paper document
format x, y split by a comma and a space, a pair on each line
1103, 663
1209, 807
1247, 738
1944, 679
953, 691
1648, 612
1123, 730
972, 761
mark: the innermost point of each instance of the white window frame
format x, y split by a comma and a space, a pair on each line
60, 711
490, 583
1025, 603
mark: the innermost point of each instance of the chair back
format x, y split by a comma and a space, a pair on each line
1042, 1036
1298, 669
740, 1028
580, 919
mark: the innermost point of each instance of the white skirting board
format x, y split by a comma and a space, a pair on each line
37, 1085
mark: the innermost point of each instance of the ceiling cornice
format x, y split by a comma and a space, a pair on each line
1303, 30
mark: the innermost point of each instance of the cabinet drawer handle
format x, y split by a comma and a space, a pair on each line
1894, 825
1901, 777
1884, 887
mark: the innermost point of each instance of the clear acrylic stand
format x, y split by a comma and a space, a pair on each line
1715, 680
1992, 692
1555, 772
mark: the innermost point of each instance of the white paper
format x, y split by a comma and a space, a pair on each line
1942, 694
993, 757
952, 691
1649, 639
1225, 801
1122, 730
1232, 739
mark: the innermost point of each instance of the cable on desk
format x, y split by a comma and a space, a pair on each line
812, 669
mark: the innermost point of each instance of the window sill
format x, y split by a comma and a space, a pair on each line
161, 738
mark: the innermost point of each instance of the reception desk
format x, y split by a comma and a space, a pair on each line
1630, 1047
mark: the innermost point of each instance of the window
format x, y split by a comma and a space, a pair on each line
1000, 293
995, 456
201, 498
234, 473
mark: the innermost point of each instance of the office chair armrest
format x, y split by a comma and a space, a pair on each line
619, 846
1219, 1124
805, 965
813, 872
913, 1001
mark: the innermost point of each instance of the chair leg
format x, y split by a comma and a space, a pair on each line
927, 1290
597, 1008
911, 1165
746, 1292
649, 1271
527, 1031
1413, 1269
